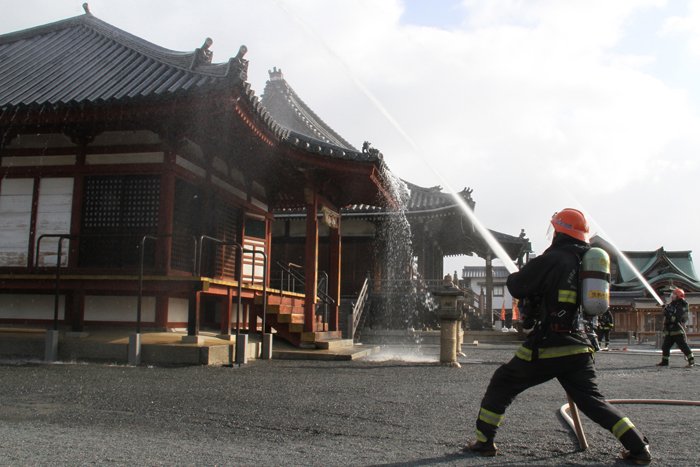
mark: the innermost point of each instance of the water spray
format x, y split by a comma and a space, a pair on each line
624, 257
485, 234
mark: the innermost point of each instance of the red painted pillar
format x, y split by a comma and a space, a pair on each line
334, 250
162, 302
193, 313
226, 313
165, 222
75, 306
311, 263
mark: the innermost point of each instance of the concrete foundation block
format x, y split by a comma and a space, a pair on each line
266, 350
241, 349
192, 340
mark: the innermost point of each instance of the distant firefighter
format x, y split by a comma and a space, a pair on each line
606, 323
675, 316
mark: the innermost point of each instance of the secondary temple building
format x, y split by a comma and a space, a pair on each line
632, 304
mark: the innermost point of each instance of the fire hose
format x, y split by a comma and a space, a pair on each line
574, 421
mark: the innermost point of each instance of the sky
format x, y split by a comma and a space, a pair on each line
536, 105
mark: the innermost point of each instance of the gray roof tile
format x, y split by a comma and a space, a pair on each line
84, 59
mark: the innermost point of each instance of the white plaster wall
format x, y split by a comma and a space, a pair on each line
118, 308
54, 217
15, 218
178, 309
19, 306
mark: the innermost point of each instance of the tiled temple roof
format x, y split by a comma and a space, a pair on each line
660, 268
305, 128
287, 108
85, 61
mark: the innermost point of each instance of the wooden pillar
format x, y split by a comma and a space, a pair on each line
77, 209
226, 313
439, 263
165, 221
311, 263
75, 302
245, 315
334, 250
162, 302
193, 313
32, 225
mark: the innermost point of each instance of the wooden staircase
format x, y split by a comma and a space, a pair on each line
285, 313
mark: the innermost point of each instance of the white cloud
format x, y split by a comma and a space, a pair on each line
688, 25
531, 103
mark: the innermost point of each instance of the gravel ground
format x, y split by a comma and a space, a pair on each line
395, 410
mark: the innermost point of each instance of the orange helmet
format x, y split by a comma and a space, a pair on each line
571, 222
679, 293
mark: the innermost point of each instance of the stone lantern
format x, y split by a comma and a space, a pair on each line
450, 318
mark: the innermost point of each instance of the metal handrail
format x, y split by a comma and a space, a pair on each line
60, 237
323, 286
59, 252
298, 277
359, 306
241, 252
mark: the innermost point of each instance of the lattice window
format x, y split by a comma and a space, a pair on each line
121, 203
117, 211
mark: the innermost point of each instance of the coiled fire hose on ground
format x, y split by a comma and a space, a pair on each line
574, 421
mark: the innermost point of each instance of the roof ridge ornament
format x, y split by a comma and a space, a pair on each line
275, 74
86, 8
368, 149
242, 63
202, 55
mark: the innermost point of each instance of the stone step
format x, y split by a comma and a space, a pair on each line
334, 344
319, 336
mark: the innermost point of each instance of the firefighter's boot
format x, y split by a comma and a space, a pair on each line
483, 448
641, 457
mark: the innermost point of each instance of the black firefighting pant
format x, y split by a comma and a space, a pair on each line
682, 343
576, 374
604, 336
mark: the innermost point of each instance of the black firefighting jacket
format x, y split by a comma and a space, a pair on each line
550, 285
675, 316
606, 321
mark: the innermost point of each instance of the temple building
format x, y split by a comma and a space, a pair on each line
141, 186
633, 305
138, 185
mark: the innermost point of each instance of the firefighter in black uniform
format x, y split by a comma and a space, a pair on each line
675, 316
606, 323
557, 346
